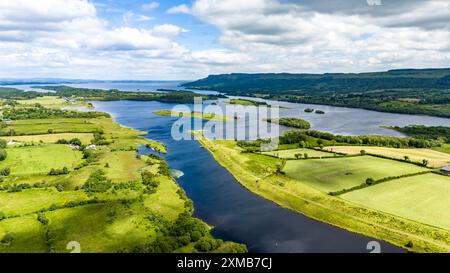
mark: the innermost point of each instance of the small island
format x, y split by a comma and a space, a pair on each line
200, 115
291, 122
309, 110
320, 112
245, 102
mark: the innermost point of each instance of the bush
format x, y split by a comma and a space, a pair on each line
7, 238
5, 171
3, 154
59, 171
370, 181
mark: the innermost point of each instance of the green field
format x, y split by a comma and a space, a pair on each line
40, 159
33, 200
334, 174
290, 154
28, 233
46, 126
85, 138
422, 198
435, 159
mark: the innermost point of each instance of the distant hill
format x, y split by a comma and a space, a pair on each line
409, 91
337, 82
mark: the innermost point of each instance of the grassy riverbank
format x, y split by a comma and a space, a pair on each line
260, 174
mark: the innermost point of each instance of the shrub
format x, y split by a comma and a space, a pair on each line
3, 154
7, 238
5, 171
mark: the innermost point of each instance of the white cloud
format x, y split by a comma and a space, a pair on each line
67, 38
295, 36
150, 6
179, 9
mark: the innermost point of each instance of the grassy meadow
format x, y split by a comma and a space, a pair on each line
435, 159
40, 159
422, 198
334, 174
199, 115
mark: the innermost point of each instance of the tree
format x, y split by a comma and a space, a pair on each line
297, 156
406, 158
370, 181
363, 152
425, 162
306, 156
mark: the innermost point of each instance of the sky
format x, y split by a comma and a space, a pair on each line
191, 39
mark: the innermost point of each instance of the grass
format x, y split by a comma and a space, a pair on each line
334, 174
28, 233
315, 204
199, 115
436, 159
99, 228
85, 138
443, 149
123, 166
53, 102
45, 126
290, 154
422, 198
40, 159
33, 200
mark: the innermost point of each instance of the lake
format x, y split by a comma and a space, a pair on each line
236, 213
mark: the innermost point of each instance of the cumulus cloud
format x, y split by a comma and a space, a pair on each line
179, 9
68, 38
150, 6
338, 35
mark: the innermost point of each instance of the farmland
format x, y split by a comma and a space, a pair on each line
302, 185
423, 198
40, 159
435, 159
334, 174
85, 138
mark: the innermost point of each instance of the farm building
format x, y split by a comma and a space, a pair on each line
446, 170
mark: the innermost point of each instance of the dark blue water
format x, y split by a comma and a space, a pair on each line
236, 213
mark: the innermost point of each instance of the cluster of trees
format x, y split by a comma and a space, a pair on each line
55, 172
291, 122
170, 96
384, 141
97, 182
440, 133
73, 141
149, 181
182, 232
40, 112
